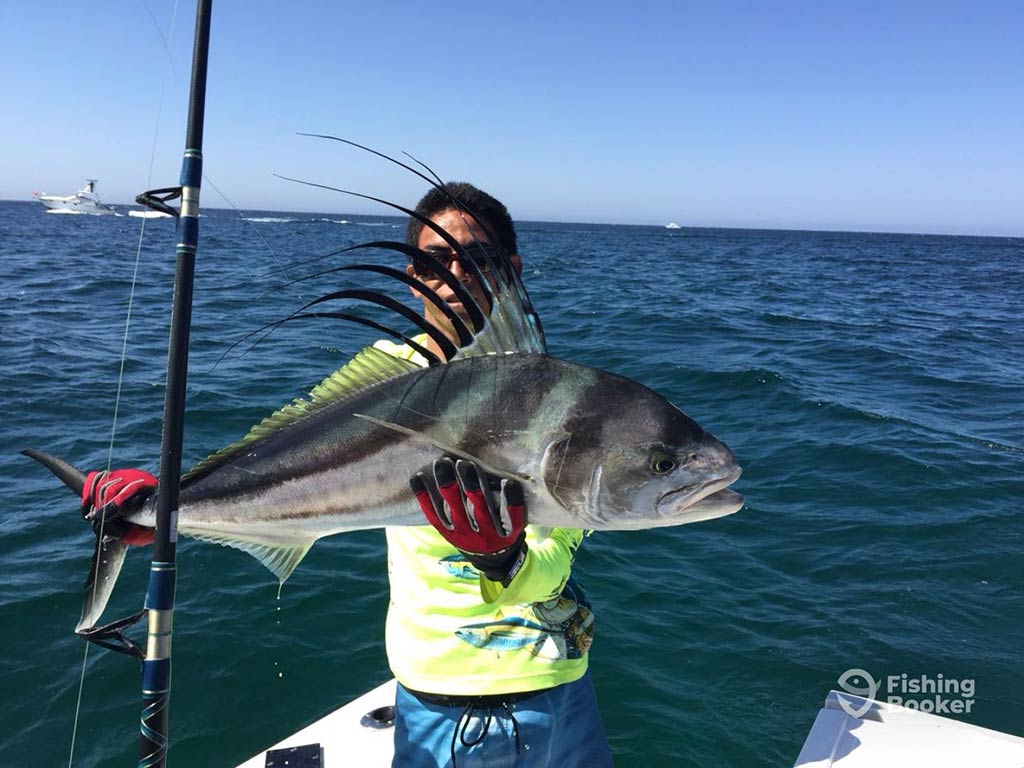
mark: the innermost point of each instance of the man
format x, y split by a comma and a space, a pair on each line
486, 632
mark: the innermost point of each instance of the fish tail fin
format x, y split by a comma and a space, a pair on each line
108, 556
70, 475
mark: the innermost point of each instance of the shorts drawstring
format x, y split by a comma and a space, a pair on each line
515, 723
459, 732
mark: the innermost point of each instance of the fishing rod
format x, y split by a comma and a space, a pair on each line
159, 605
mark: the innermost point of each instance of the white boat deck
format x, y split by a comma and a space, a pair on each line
344, 740
887, 736
884, 736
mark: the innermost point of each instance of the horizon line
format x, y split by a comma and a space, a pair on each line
682, 228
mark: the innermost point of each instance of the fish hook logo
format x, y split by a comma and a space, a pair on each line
849, 682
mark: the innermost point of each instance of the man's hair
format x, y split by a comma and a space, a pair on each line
476, 202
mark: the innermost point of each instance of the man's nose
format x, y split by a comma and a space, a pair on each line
459, 271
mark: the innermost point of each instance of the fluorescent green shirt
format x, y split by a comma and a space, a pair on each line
452, 631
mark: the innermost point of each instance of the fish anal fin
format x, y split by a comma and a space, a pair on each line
445, 448
281, 557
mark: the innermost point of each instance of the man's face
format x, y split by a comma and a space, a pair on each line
465, 230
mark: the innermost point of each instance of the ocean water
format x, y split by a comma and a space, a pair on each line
870, 384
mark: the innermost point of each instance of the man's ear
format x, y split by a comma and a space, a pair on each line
517, 263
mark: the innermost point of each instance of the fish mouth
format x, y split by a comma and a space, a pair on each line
703, 502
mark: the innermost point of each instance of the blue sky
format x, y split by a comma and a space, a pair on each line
903, 117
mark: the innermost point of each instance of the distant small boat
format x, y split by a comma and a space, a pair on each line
150, 215
85, 200
672, 225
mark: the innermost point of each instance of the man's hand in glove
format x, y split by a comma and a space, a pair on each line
109, 496
459, 501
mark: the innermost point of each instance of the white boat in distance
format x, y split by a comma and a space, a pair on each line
672, 225
86, 200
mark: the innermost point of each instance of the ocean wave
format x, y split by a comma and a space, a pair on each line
794, 393
873, 401
937, 431
267, 219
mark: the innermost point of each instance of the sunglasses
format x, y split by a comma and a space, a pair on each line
481, 254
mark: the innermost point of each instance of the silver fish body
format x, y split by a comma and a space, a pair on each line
580, 440
592, 450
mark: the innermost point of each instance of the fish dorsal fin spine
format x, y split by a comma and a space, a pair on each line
371, 366
510, 327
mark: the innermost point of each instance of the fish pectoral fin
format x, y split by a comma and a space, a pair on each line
281, 557
449, 449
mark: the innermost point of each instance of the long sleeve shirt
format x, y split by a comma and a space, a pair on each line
450, 630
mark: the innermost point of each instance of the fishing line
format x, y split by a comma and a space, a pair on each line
169, 69
273, 253
241, 215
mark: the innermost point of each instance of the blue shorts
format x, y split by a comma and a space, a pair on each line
560, 727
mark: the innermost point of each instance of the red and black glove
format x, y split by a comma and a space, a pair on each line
458, 500
109, 496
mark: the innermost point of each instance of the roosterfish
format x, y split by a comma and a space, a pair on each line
591, 449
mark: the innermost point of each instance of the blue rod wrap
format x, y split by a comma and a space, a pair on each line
160, 594
192, 168
188, 233
156, 677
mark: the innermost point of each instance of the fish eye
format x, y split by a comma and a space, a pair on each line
662, 463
